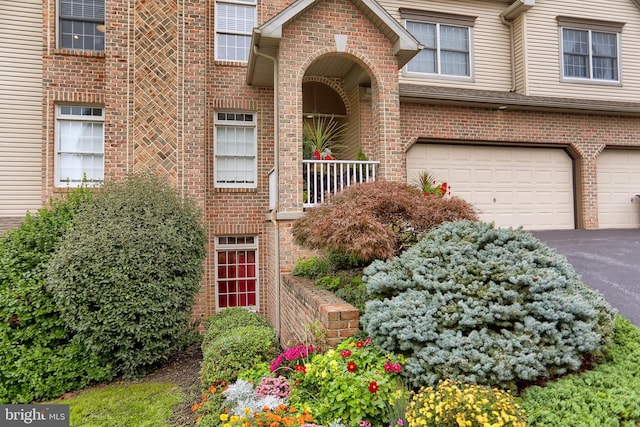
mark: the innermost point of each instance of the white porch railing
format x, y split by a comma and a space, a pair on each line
322, 178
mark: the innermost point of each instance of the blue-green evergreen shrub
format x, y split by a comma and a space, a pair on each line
486, 305
607, 395
127, 273
39, 358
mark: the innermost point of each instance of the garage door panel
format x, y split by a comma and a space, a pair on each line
618, 183
503, 176
511, 186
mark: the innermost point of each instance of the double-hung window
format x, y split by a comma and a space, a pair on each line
235, 143
447, 43
81, 24
237, 271
79, 145
590, 49
234, 22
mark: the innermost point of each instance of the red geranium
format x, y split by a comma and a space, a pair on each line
373, 387
352, 367
345, 353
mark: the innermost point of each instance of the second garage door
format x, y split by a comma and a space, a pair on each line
511, 186
618, 184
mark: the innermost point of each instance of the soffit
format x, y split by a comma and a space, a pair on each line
266, 39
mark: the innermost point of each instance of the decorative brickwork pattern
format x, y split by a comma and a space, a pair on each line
155, 87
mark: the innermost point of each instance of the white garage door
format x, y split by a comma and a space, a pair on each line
511, 186
618, 184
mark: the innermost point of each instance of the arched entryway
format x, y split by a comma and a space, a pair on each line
339, 138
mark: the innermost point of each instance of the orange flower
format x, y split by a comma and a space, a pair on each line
212, 390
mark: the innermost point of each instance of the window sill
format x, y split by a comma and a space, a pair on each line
76, 52
442, 77
591, 82
234, 190
225, 63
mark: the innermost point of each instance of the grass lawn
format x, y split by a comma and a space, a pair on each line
125, 405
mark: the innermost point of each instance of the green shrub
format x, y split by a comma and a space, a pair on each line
335, 273
492, 306
226, 320
608, 395
38, 357
453, 404
235, 351
376, 220
126, 275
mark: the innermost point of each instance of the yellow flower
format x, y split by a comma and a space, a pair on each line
224, 417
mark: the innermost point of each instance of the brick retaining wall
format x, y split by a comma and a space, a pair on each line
302, 303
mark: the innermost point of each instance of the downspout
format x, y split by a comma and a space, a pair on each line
276, 172
513, 51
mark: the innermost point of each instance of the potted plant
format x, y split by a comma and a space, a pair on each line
320, 137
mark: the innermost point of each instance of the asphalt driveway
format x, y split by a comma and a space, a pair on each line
607, 260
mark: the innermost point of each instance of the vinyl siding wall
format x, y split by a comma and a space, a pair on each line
491, 55
20, 107
543, 49
519, 41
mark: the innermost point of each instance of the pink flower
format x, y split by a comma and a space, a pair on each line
345, 353
367, 341
388, 367
397, 368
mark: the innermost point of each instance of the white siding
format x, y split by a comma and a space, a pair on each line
519, 32
491, 54
20, 106
544, 51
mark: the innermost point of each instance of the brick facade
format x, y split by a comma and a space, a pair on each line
160, 86
584, 135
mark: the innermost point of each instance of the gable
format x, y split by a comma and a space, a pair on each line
266, 38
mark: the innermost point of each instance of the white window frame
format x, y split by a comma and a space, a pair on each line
218, 155
216, 49
222, 245
439, 20
590, 26
61, 181
99, 27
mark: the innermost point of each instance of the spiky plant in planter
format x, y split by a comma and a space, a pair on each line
320, 138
